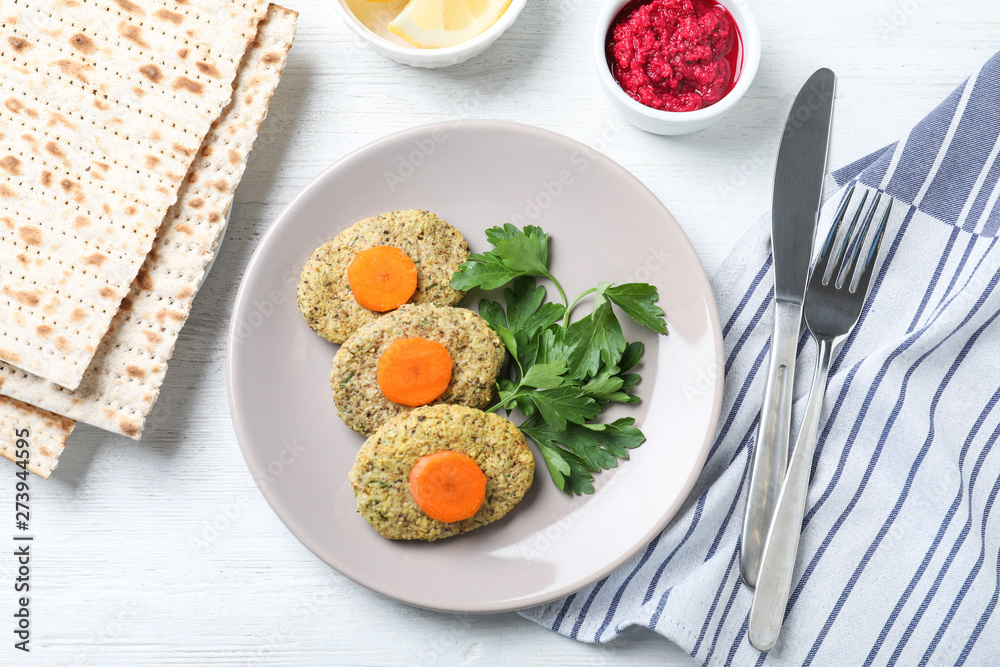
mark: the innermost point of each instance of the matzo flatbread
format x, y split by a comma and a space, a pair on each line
45, 433
120, 387
103, 105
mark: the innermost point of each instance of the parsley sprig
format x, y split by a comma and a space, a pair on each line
563, 373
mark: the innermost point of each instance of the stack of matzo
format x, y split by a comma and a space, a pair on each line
122, 368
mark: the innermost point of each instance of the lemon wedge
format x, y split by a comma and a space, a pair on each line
435, 24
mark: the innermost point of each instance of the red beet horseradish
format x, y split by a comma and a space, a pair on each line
674, 55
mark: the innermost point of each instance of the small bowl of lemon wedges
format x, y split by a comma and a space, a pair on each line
429, 33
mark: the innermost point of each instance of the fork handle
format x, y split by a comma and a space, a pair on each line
774, 579
770, 452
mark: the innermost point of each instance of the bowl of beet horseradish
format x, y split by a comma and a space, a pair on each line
676, 66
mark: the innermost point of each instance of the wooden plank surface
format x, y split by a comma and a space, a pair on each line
164, 553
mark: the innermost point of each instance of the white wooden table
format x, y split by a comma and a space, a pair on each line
164, 552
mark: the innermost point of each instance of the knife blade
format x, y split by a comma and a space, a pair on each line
796, 198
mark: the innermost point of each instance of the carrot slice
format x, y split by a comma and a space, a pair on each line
414, 371
448, 486
382, 278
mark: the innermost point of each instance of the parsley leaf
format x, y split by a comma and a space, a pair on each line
526, 252
496, 235
575, 438
638, 301
510, 341
556, 463
591, 447
631, 357
552, 345
515, 254
486, 270
544, 376
630, 380
564, 373
492, 312
520, 328
597, 337
617, 437
568, 472
606, 387
564, 404
580, 480
527, 309
604, 384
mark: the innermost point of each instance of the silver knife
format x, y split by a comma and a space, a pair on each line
798, 188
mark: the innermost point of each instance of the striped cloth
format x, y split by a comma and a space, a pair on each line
899, 560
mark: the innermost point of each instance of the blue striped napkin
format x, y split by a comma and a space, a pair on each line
900, 556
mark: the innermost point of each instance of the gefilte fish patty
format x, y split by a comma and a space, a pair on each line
380, 477
477, 355
435, 247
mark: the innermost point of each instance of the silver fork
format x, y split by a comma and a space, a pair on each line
836, 293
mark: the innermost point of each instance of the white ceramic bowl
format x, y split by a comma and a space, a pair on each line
678, 122
372, 28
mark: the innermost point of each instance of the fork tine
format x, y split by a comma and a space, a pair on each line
849, 269
836, 223
867, 269
823, 263
848, 246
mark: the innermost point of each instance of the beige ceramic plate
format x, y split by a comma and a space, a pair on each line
605, 225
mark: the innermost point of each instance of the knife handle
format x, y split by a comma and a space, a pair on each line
770, 453
774, 580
